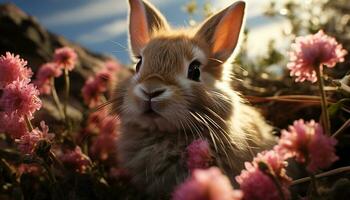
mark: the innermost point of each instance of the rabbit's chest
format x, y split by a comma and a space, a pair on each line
150, 150
153, 160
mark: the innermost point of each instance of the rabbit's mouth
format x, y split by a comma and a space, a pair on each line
149, 112
154, 121
150, 109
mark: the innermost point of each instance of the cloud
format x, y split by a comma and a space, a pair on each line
110, 30
104, 33
259, 37
92, 11
88, 12
254, 7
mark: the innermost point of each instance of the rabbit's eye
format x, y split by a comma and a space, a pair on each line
138, 65
193, 70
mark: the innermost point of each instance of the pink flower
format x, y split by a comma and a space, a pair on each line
312, 51
198, 155
256, 185
33, 169
65, 58
12, 126
28, 141
93, 125
109, 125
112, 66
76, 160
275, 162
21, 99
105, 79
104, 146
208, 184
94, 120
13, 68
92, 91
97, 85
307, 143
44, 76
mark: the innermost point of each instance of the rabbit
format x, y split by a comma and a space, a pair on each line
180, 91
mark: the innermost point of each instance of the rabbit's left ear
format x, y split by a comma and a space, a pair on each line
144, 20
222, 30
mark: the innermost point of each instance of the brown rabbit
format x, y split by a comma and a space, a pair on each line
181, 92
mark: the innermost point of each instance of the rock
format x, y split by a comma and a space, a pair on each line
22, 34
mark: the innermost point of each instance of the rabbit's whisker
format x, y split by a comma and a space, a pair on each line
246, 135
212, 134
194, 125
100, 107
210, 123
126, 49
216, 60
205, 118
186, 121
200, 119
184, 130
224, 134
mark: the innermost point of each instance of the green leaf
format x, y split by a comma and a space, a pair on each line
334, 109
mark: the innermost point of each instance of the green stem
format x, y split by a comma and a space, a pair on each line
314, 186
267, 171
341, 129
325, 115
11, 174
56, 190
8, 171
66, 98
28, 123
278, 186
56, 99
49, 172
322, 175
56, 161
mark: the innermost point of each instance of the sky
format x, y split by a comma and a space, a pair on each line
101, 25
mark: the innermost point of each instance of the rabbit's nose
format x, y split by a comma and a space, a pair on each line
153, 94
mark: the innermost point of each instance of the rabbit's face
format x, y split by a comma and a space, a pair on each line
174, 86
169, 74
177, 74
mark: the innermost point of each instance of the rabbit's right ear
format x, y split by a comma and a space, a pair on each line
144, 20
222, 30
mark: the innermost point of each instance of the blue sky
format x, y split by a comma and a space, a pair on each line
101, 25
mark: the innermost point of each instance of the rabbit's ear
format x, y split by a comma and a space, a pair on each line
223, 29
144, 19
